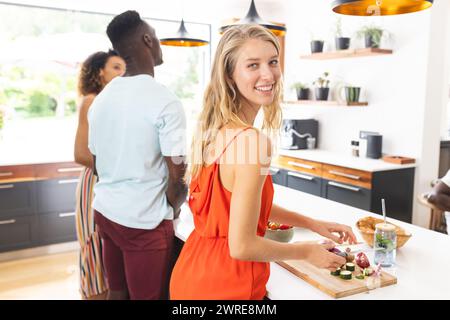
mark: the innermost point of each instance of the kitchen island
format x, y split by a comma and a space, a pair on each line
422, 263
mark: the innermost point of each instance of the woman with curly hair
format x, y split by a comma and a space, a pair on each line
97, 71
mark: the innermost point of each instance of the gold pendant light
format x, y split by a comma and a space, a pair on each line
253, 17
379, 7
183, 39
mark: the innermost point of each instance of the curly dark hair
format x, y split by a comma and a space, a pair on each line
89, 79
123, 25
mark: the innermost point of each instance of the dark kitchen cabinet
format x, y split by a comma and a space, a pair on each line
356, 188
56, 195
40, 211
56, 227
17, 232
17, 198
278, 176
347, 194
56, 210
304, 182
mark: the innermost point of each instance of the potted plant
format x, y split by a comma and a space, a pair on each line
302, 90
372, 35
322, 87
316, 46
342, 43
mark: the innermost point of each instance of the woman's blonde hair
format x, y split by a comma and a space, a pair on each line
222, 102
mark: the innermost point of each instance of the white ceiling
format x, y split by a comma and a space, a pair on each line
206, 11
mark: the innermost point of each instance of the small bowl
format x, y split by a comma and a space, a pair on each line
366, 227
280, 235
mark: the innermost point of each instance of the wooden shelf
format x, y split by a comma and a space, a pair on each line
328, 103
350, 53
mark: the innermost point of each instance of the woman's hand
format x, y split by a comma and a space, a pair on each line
331, 230
319, 256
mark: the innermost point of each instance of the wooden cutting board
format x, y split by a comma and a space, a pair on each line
332, 285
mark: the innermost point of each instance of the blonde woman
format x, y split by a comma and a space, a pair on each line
227, 256
96, 71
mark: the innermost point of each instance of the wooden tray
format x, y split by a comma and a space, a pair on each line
398, 159
332, 285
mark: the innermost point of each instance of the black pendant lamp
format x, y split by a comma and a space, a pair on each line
253, 17
183, 39
379, 7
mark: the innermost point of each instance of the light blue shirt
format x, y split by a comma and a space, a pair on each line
133, 123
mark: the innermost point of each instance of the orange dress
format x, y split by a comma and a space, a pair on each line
205, 270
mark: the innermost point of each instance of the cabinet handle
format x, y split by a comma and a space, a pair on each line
66, 214
343, 186
7, 186
74, 169
68, 181
274, 171
5, 174
8, 221
346, 175
301, 176
301, 165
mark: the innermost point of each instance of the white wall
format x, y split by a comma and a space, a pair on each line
402, 89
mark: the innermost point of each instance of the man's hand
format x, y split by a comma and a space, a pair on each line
177, 189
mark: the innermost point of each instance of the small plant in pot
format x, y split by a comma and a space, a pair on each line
316, 46
302, 90
342, 43
322, 87
372, 35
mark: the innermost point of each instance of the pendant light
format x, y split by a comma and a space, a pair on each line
379, 7
253, 17
183, 39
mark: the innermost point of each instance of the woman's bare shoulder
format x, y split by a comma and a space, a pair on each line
86, 101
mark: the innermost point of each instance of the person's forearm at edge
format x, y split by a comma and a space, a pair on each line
176, 195
440, 197
176, 191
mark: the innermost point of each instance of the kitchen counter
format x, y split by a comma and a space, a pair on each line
422, 263
344, 160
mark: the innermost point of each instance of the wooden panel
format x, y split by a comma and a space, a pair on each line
16, 173
346, 175
350, 53
332, 285
58, 170
328, 103
300, 165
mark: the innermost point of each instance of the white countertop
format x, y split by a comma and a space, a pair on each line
422, 264
344, 160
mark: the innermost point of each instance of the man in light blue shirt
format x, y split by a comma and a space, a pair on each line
137, 136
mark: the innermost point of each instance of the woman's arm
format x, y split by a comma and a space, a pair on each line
324, 228
244, 243
81, 151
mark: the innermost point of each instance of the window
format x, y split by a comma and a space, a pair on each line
39, 62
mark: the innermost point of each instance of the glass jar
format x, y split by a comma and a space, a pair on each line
355, 148
385, 244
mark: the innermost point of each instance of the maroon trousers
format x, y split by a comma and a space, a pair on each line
136, 260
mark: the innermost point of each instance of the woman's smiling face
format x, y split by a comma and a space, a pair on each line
257, 72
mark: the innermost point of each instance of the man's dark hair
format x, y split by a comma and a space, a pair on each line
123, 25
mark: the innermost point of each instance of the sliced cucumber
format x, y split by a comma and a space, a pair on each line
368, 271
336, 273
360, 276
350, 266
346, 275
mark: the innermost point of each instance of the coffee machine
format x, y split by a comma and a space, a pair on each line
371, 144
299, 134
